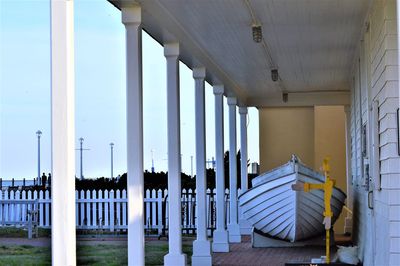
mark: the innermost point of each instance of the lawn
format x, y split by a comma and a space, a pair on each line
89, 253
23, 233
16, 255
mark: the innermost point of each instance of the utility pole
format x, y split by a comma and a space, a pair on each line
38, 133
152, 160
112, 159
191, 166
81, 149
212, 162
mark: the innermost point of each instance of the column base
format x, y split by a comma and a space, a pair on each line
175, 259
245, 227
234, 233
220, 241
348, 225
201, 261
201, 253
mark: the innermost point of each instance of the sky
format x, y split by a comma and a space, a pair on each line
100, 104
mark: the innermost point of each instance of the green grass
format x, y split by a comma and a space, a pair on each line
88, 254
24, 255
19, 232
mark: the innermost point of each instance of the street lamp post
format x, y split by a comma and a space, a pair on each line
152, 160
81, 149
191, 166
38, 133
112, 159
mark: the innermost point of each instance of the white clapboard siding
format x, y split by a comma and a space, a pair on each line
381, 60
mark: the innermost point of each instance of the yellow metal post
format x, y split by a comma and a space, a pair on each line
327, 187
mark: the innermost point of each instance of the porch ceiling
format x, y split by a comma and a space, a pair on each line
311, 42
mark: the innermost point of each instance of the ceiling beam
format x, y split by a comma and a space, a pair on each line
302, 99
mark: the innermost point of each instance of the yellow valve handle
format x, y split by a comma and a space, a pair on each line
325, 165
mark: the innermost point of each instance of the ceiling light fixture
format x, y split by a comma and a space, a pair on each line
274, 74
285, 97
257, 32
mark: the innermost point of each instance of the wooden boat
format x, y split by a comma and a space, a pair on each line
277, 211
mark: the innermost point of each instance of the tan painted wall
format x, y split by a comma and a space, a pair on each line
329, 133
311, 133
283, 132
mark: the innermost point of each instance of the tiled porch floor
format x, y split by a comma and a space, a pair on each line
244, 254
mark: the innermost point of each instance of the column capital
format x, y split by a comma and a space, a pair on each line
218, 89
199, 73
131, 15
232, 100
171, 49
243, 110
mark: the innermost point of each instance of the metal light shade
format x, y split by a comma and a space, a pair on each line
285, 97
274, 75
257, 33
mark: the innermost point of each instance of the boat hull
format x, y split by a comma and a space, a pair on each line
276, 210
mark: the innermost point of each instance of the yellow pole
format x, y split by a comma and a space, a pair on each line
327, 244
327, 187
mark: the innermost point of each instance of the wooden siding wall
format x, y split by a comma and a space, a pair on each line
377, 230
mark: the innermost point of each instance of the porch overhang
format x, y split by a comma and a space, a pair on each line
311, 43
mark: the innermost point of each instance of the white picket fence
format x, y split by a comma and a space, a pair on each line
107, 210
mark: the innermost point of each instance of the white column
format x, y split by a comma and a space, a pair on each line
233, 226
243, 149
131, 18
201, 246
62, 133
220, 241
348, 220
175, 256
245, 226
398, 49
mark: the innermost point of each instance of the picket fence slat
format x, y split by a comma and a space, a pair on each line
47, 209
106, 206
147, 220
124, 209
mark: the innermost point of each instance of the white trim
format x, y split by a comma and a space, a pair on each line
375, 160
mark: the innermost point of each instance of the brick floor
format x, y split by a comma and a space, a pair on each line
244, 254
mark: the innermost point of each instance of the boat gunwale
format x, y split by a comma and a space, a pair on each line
291, 163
